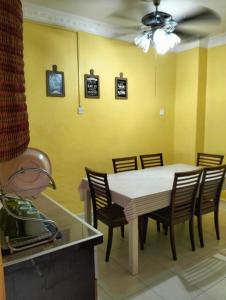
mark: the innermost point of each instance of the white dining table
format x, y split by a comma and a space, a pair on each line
138, 192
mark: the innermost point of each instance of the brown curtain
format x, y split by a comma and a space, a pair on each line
14, 129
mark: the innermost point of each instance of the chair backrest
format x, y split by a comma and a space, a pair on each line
124, 164
183, 195
209, 160
99, 189
210, 188
151, 160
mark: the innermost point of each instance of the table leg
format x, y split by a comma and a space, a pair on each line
87, 208
133, 246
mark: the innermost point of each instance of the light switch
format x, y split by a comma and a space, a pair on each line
80, 110
162, 112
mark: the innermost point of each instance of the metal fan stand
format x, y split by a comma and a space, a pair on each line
25, 242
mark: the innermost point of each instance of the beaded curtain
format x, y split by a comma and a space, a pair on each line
14, 127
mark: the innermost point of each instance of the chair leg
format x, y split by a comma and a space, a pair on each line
122, 231
110, 236
141, 231
158, 226
172, 242
199, 218
216, 222
95, 223
165, 227
191, 231
142, 228
145, 227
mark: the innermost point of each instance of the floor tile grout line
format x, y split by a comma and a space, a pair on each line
198, 296
207, 289
104, 291
198, 287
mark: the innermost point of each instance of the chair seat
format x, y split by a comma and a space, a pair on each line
112, 215
162, 215
207, 207
205, 210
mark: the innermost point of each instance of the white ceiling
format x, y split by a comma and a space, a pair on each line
120, 19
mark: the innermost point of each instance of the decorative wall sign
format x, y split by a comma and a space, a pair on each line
121, 89
55, 83
92, 88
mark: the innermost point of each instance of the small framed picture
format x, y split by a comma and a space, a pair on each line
92, 85
55, 83
121, 88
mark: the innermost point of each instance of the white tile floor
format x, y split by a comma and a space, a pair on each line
199, 275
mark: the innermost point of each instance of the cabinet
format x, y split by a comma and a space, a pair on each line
62, 270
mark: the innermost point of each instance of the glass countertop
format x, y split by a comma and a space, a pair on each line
73, 229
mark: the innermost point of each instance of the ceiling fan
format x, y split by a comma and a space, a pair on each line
164, 32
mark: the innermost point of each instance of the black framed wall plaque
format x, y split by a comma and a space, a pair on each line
92, 85
121, 87
55, 83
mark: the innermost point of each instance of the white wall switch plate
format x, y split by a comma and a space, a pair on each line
162, 112
80, 110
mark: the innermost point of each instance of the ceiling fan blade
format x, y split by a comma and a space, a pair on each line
129, 29
188, 35
132, 10
202, 15
124, 35
125, 7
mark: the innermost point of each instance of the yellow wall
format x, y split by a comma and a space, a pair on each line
215, 124
187, 65
215, 129
109, 128
189, 125
200, 105
201, 100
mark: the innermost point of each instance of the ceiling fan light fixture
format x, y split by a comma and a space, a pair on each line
147, 45
160, 28
143, 41
173, 40
138, 39
164, 41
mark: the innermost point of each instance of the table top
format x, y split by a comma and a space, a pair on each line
141, 183
141, 191
74, 231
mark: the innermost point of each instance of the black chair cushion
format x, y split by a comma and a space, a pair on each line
162, 215
112, 215
207, 207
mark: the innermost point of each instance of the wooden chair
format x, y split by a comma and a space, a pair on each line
209, 197
209, 160
151, 160
104, 210
124, 164
182, 205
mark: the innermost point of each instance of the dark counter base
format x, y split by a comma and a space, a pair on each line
66, 274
